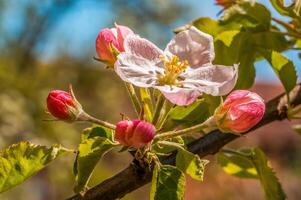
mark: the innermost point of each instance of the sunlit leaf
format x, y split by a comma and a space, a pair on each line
191, 164
268, 179
242, 52
227, 37
168, 183
95, 143
283, 67
20, 161
252, 163
237, 165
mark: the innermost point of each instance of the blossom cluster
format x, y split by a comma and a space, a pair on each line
182, 72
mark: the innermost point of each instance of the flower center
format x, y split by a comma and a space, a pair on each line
172, 69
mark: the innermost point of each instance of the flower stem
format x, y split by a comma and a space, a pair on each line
158, 108
86, 117
171, 134
238, 153
295, 35
135, 100
284, 24
167, 110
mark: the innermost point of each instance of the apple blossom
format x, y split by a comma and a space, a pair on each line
241, 111
182, 72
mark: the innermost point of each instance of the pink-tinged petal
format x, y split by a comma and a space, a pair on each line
192, 45
216, 80
122, 33
137, 70
103, 41
240, 111
141, 47
134, 133
183, 97
143, 134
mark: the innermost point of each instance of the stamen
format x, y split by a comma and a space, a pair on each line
173, 68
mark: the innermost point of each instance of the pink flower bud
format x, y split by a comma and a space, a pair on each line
63, 105
241, 111
135, 133
109, 43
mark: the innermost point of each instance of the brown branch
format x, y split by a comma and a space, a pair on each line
134, 177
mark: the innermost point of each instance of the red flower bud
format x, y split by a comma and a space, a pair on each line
241, 111
135, 133
109, 43
63, 105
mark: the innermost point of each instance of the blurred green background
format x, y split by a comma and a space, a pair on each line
48, 44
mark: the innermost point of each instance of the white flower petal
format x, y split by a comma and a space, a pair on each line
216, 80
141, 47
182, 97
168, 88
192, 45
137, 70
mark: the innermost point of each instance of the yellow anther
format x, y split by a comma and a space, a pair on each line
173, 68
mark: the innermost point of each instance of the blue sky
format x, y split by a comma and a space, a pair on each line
80, 25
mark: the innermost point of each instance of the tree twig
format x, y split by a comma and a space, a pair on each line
134, 177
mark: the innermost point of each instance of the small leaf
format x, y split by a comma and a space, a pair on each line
168, 183
191, 164
283, 67
20, 161
95, 143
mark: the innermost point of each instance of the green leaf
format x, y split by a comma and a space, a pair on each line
283, 67
146, 103
237, 165
268, 179
240, 51
20, 161
250, 16
214, 27
191, 164
227, 37
271, 41
95, 143
252, 163
297, 128
168, 183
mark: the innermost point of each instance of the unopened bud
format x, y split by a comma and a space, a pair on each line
63, 105
109, 43
241, 111
135, 133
